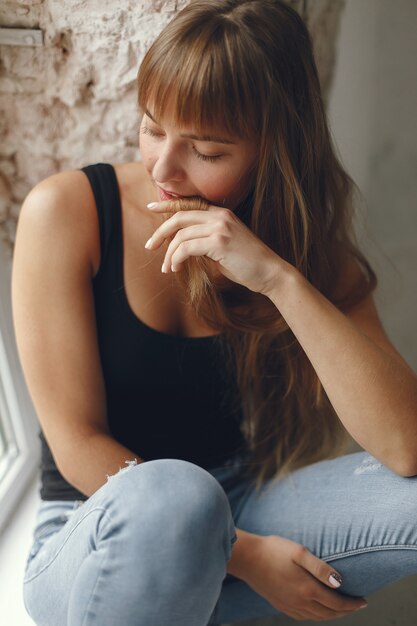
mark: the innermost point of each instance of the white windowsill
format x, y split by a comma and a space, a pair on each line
15, 542
16, 409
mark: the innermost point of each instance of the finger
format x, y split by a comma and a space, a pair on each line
164, 206
197, 231
331, 600
324, 612
311, 613
193, 203
296, 615
318, 568
172, 225
337, 602
193, 247
294, 612
330, 577
316, 610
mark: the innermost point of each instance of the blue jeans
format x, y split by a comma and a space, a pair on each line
150, 547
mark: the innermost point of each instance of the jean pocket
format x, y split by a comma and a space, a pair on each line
43, 532
34, 550
50, 527
36, 545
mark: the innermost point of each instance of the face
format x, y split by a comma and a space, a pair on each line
215, 166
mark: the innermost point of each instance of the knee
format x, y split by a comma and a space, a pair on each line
403, 509
171, 492
392, 510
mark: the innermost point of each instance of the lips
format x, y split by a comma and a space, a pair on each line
166, 195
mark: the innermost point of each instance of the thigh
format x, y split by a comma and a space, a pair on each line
351, 511
63, 538
162, 523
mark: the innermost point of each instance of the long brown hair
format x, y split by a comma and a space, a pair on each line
247, 67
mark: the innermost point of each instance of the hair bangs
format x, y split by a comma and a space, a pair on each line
243, 67
202, 85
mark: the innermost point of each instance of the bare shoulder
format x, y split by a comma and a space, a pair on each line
62, 208
70, 187
60, 211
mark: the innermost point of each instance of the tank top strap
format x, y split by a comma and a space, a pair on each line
103, 181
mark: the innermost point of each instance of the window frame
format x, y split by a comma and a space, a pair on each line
17, 403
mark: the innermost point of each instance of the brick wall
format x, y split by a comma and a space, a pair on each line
73, 101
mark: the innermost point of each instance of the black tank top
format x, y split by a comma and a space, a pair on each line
167, 396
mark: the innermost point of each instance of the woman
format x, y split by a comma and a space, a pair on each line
205, 317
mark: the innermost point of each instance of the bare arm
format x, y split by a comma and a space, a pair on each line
371, 387
53, 312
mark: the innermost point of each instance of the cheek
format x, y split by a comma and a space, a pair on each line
227, 190
147, 152
220, 179
216, 190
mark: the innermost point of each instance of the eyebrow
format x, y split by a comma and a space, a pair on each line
213, 138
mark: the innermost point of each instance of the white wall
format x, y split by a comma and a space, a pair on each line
15, 542
373, 114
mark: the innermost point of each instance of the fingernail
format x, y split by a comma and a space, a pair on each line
335, 579
151, 205
163, 269
172, 268
363, 606
148, 243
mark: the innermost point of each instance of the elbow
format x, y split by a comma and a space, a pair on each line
405, 466
408, 471
398, 458
407, 461
401, 454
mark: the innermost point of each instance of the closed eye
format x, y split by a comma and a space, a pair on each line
206, 157
203, 157
145, 130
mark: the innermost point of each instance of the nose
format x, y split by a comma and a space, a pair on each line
167, 166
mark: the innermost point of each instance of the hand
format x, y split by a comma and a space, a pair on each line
220, 235
295, 581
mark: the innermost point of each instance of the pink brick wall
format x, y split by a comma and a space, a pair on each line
73, 100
